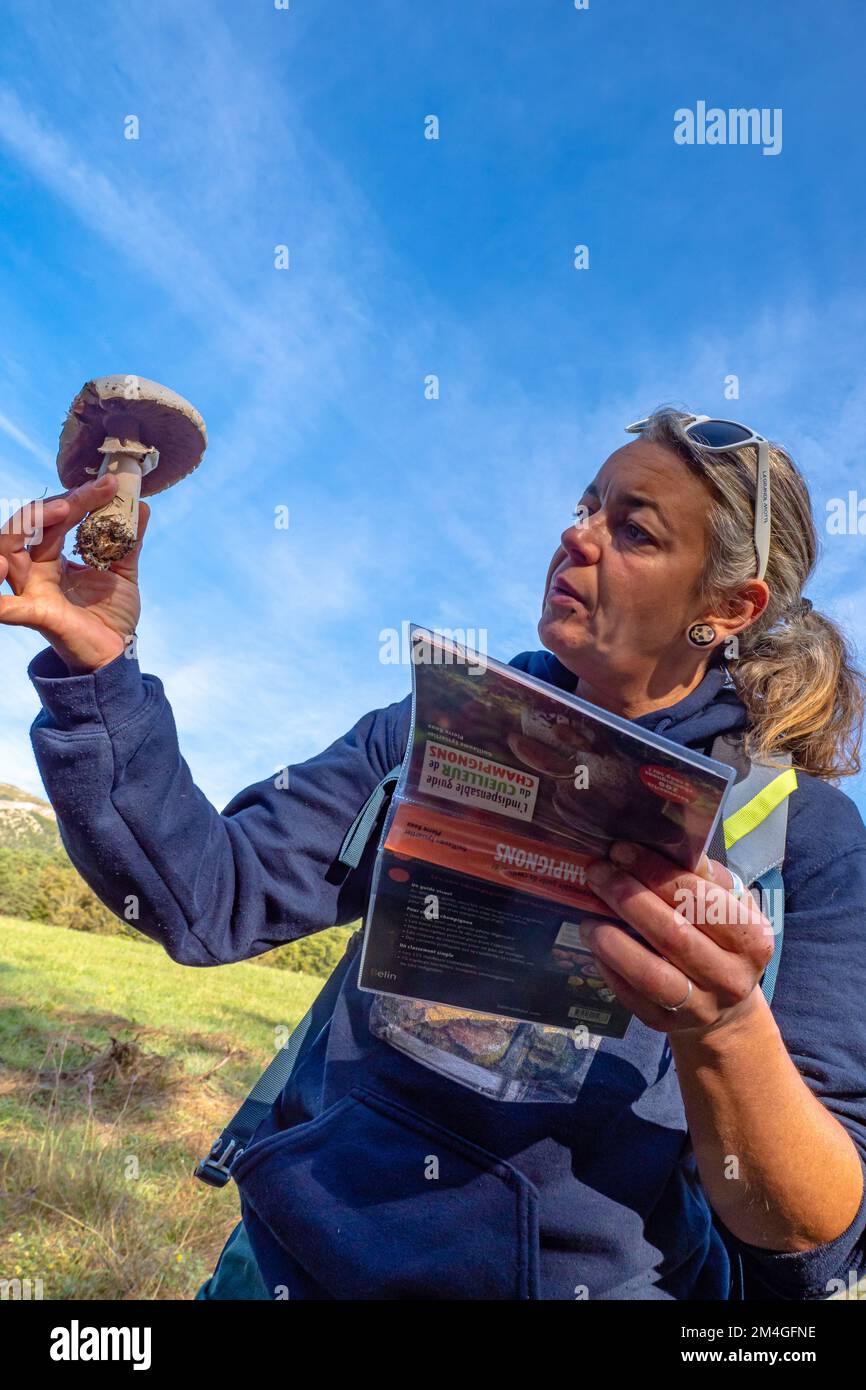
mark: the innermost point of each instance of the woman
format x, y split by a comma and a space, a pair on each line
714, 1124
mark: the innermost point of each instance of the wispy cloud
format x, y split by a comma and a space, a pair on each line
25, 441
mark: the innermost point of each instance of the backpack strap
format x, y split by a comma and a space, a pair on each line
772, 890
755, 809
359, 832
215, 1169
752, 833
751, 840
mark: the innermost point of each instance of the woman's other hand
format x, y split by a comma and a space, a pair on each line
710, 948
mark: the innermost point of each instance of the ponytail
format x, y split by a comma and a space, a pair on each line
804, 695
795, 671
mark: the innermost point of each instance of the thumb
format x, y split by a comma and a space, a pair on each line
127, 568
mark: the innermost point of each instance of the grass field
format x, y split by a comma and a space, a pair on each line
117, 1069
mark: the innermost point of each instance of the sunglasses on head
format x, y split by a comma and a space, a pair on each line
717, 436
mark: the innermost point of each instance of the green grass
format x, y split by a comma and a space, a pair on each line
117, 1069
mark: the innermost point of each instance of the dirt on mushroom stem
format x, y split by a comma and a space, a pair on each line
101, 540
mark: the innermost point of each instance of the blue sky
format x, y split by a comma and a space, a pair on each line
408, 257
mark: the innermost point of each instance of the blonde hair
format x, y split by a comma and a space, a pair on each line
795, 671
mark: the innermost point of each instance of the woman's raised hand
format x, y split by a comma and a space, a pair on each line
87, 615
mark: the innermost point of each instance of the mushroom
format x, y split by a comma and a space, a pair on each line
146, 434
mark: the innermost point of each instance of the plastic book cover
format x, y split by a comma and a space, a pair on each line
508, 790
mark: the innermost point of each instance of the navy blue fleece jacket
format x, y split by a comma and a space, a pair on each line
598, 1197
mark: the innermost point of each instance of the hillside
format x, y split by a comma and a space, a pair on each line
10, 793
38, 883
26, 821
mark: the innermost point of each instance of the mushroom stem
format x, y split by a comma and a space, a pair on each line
109, 533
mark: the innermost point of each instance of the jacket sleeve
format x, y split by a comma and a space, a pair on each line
818, 1006
211, 887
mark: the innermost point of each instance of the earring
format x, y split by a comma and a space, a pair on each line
701, 635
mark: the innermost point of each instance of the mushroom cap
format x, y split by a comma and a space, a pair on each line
131, 407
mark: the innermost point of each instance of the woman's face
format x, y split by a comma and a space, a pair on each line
623, 587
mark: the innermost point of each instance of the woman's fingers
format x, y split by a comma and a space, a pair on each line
17, 570
24, 528
28, 524
80, 501
703, 898
678, 947
624, 968
724, 959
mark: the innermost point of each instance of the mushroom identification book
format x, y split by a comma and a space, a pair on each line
508, 790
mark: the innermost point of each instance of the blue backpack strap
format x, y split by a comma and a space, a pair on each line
772, 889
751, 838
360, 830
215, 1169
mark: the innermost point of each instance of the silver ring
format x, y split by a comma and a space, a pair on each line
675, 1008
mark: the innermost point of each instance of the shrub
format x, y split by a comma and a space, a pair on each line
43, 886
65, 899
20, 870
312, 955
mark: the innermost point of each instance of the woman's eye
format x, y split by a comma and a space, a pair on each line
637, 533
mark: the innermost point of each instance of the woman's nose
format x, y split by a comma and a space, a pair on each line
582, 540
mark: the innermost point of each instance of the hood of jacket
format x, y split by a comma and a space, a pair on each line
712, 708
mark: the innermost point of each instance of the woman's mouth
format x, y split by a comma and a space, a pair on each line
563, 595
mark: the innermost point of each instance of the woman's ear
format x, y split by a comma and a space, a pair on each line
739, 610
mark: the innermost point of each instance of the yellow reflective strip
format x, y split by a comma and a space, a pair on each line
760, 806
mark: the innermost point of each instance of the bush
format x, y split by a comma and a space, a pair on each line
65, 899
43, 886
19, 880
312, 955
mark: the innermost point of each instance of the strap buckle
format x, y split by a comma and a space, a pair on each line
215, 1170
